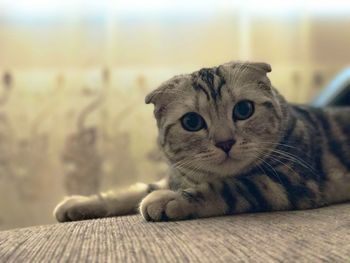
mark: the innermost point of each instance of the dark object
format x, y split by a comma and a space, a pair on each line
243, 110
337, 93
226, 145
7, 80
192, 122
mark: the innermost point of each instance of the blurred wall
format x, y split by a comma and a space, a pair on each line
74, 77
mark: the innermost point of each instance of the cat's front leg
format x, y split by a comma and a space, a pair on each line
106, 204
168, 205
78, 207
225, 197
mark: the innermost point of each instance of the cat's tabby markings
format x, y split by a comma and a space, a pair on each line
240, 148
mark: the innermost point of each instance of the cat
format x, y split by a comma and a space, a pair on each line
234, 145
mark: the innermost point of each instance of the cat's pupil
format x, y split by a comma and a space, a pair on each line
243, 110
192, 122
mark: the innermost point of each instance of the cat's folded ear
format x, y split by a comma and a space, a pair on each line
161, 94
151, 97
160, 98
262, 66
259, 66
164, 95
154, 95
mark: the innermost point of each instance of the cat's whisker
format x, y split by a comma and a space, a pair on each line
290, 157
282, 145
192, 159
261, 165
271, 167
283, 163
277, 144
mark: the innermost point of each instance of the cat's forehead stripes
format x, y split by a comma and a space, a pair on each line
210, 82
207, 75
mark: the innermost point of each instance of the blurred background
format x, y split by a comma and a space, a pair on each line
74, 74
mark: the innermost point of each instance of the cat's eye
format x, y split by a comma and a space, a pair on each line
192, 122
243, 110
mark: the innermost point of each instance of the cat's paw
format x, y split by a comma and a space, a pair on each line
165, 205
74, 208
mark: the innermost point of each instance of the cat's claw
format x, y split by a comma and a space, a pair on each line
164, 205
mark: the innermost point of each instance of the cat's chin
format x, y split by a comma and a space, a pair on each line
226, 159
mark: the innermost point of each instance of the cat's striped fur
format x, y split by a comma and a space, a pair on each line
284, 157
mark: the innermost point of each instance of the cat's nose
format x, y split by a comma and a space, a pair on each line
226, 145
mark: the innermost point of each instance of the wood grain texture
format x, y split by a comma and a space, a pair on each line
303, 236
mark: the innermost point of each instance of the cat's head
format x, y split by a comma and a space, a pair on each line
218, 121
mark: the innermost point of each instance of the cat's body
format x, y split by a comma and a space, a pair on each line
234, 145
